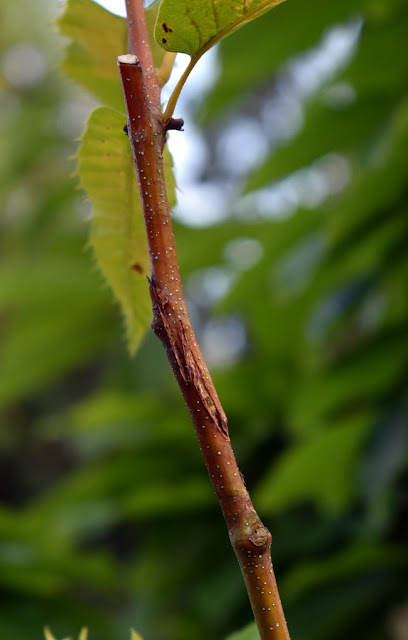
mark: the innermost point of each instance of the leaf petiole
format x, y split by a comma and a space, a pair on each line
171, 104
164, 71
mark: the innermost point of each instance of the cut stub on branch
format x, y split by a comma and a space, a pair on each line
175, 123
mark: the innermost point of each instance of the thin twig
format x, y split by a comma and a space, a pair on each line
249, 537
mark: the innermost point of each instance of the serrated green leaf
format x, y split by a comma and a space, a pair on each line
107, 174
98, 37
194, 26
118, 238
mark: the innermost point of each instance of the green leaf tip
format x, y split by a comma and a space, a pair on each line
194, 26
134, 635
83, 634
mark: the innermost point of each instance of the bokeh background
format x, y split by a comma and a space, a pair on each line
292, 233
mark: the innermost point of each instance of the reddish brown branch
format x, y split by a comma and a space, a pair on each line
139, 45
171, 323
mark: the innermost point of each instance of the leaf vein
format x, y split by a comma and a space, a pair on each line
216, 21
195, 25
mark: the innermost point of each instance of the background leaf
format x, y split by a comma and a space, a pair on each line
91, 60
299, 474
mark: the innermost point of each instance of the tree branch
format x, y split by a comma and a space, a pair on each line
138, 39
171, 323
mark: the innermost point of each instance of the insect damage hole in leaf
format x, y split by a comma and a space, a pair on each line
137, 267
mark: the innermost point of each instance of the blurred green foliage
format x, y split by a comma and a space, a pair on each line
107, 517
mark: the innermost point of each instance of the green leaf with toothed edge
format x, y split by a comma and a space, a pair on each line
194, 26
90, 59
118, 238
